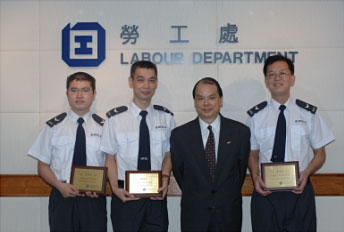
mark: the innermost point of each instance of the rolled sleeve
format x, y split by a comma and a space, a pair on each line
321, 134
41, 149
253, 140
108, 143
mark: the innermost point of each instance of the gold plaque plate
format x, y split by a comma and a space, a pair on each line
280, 176
89, 179
143, 183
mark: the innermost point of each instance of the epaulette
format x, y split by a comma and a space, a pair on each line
157, 107
98, 119
257, 108
115, 111
56, 120
306, 106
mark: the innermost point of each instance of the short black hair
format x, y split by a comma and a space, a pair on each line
81, 76
142, 64
275, 58
210, 81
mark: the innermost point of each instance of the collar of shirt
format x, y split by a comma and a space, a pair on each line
275, 105
204, 126
205, 132
75, 117
135, 110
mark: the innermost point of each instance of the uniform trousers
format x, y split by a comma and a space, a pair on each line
77, 213
284, 211
140, 215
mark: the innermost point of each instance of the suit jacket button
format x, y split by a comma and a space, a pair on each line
213, 191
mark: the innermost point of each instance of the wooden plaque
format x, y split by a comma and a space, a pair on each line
143, 183
89, 179
280, 176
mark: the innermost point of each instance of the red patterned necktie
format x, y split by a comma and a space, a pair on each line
210, 153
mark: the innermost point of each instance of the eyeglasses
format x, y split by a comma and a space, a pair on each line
281, 75
76, 90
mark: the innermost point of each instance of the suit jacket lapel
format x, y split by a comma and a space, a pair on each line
224, 148
197, 148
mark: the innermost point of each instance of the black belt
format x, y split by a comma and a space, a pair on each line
121, 184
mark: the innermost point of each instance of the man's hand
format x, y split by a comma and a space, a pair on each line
301, 183
253, 165
315, 164
166, 173
259, 185
68, 190
123, 195
91, 194
163, 190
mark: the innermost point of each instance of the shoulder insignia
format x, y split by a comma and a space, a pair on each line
56, 120
157, 107
257, 108
115, 111
306, 106
98, 119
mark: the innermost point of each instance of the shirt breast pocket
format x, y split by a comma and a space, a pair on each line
299, 136
93, 142
127, 144
62, 145
95, 157
61, 141
265, 139
160, 140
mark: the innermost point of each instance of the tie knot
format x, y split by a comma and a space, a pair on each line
80, 121
210, 128
143, 113
282, 108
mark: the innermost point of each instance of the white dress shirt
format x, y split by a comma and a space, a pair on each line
121, 137
215, 125
304, 130
55, 145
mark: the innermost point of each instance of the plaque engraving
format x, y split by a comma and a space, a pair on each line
280, 176
89, 179
143, 183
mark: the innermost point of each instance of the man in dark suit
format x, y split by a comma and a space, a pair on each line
209, 160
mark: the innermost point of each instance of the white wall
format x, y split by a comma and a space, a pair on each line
32, 73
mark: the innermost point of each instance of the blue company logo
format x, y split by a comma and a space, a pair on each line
83, 45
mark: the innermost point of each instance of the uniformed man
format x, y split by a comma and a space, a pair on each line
283, 129
68, 139
136, 137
